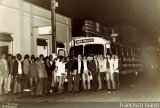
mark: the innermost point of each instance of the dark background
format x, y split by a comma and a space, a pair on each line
138, 21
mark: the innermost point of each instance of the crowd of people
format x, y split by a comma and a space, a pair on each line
44, 75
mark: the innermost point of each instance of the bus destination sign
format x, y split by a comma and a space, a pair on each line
84, 41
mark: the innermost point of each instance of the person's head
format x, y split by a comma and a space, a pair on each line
88, 57
95, 57
50, 57
67, 59
55, 59
113, 56
41, 56
79, 57
116, 56
13, 57
19, 56
101, 57
9, 56
33, 56
3, 56
37, 59
26, 57
108, 56
84, 57
62, 59
33, 60
47, 60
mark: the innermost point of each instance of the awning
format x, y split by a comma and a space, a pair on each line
6, 37
41, 42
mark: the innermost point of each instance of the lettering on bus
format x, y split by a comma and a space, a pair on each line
84, 41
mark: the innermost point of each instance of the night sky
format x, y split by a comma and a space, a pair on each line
144, 15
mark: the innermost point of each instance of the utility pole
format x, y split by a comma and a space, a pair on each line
54, 4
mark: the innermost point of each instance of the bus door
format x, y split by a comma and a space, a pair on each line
61, 49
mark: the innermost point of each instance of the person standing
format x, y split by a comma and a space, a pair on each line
94, 68
42, 75
69, 74
85, 74
10, 77
77, 69
17, 74
60, 73
48, 67
4, 74
116, 71
33, 75
111, 62
102, 71
99, 77
26, 63
108, 73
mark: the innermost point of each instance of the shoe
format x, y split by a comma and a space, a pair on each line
51, 91
27, 90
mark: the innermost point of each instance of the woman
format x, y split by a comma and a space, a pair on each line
60, 73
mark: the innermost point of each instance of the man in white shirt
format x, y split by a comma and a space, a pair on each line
4, 73
116, 71
18, 74
85, 74
112, 70
102, 71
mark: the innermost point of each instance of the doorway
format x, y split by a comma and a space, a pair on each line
42, 47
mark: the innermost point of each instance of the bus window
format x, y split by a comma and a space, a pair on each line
94, 49
108, 51
75, 51
127, 51
113, 49
119, 49
124, 51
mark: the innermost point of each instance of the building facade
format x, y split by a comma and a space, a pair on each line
19, 28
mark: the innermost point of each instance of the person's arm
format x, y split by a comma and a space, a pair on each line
29, 70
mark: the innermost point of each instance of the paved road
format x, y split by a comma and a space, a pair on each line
145, 87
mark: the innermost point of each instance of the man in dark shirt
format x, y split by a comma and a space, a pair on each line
93, 67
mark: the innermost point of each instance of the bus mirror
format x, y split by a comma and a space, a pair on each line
107, 45
72, 43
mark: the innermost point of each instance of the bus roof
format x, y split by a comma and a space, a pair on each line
88, 40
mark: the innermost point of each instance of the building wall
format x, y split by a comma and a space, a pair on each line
21, 18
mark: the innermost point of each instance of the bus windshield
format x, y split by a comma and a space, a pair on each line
74, 51
94, 49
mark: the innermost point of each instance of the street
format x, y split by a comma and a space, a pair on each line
143, 88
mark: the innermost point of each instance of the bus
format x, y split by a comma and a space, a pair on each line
130, 57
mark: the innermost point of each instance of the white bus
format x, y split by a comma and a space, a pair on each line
130, 57
88, 46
